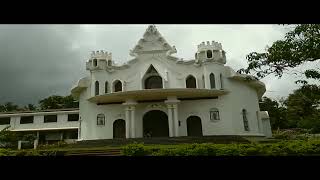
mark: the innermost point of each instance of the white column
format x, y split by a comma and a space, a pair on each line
61, 136
170, 120
176, 120
79, 130
35, 144
133, 122
173, 115
127, 123
19, 145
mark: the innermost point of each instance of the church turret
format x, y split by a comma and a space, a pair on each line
99, 60
210, 52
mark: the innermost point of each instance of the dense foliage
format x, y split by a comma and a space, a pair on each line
58, 102
8, 139
277, 113
300, 110
282, 148
51, 102
300, 45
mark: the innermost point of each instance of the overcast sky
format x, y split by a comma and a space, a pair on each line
37, 61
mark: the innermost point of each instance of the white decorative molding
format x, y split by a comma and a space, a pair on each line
155, 106
119, 116
193, 113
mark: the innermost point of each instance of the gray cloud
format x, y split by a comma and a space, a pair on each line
41, 60
36, 61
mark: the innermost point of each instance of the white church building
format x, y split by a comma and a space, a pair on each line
156, 94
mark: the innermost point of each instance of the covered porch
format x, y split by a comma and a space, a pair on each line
167, 120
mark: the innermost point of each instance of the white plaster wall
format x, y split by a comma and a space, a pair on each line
241, 97
38, 122
230, 106
88, 115
202, 110
230, 116
132, 77
267, 128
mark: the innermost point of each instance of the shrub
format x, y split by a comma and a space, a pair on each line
56, 145
282, 148
134, 150
4, 152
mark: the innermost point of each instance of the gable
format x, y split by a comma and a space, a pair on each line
152, 41
151, 70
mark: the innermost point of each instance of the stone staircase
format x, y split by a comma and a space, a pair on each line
165, 140
95, 152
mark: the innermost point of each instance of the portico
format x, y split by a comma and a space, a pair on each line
170, 98
172, 114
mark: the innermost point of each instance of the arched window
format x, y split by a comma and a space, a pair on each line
109, 63
209, 54
245, 120
106, 87
96, 88
117, 86
204, 82
212, 81
221, 81
100, 120
191, 82
95, 62
152, 79
153, 82
214, 114
196, 56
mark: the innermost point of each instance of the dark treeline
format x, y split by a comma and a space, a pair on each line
51, 102
301, 109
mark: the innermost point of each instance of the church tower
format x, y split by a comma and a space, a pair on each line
210, 52
99, 60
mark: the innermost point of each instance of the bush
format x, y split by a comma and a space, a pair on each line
4, 152
56, 145
134, 150
296, 133
282, 148
8, 139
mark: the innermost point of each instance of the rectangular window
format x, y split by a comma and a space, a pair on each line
73, 117
50, 118
100, 120
5, 121
26, 120
214, 114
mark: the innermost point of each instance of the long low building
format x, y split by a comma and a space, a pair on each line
49, 125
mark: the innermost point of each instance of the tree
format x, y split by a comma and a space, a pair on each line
8, 138
31, 107
303, 108
58, 102
69, 102
300, 45
9, 106
277, 113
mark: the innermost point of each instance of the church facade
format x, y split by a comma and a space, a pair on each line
156, 94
